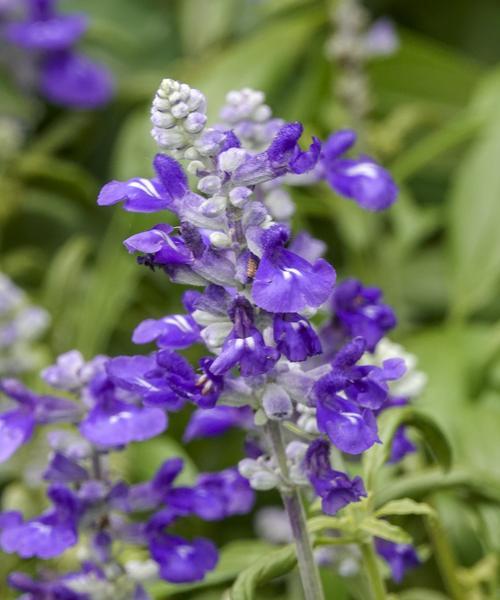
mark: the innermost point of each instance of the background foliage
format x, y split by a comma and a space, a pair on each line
436, 253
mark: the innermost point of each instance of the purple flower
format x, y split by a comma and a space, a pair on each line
113, 422
17, 425
294, 337
245, 345
401, 445
361, 179
43, 590
360, 312
163, 249
62, 469
400, 557
57, 32
174, 331
182, 561
334, 488
46, 536
283, 156
73, 80
286, 283
149, 495
215, 496
215, 421
366, 385
148, 195
116, 423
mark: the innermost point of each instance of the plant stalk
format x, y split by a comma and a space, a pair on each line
372, 571
309, 573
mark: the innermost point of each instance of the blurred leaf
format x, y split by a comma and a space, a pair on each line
420, 594
473, 483
389, 422
216, 17
385, 530
135, 148
271, 565
248, 64
424, 152
404, 506
474, 216
423, 69
144, 460
109, 291
62, 286
234, 558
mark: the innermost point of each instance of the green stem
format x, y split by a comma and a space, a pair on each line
445, 559
292, 502
372, 571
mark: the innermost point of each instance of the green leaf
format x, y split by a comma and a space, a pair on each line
473, 484
216, 16
109, 291
288, 37
62, 286
385, 530
319, 523
474, 213
405, 506
456, 131
420, 593
440, 77
389, 422
143, 460
268, 567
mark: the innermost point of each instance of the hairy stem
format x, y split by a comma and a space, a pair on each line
292, 502
372, 571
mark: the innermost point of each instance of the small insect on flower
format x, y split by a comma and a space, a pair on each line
251, 267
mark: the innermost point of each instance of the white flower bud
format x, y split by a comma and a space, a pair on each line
220, 240
231, 159
276, 403
264, 480
210, 184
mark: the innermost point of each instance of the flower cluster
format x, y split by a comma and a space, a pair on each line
20, 326
89, 506
267, 361
288, 355
47, 39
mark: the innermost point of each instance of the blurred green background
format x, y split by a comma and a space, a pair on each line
435, 124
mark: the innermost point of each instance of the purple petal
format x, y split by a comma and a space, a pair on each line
120, 423
337, 144
174, 331
171, 175
364, 181
16, 427
75, 81
213, 422
57, 33
288, 283
138, 195
350, 429
39, 537
182, 561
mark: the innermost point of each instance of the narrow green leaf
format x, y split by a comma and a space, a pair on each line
405, 506
473, 484
389, 422
474, 216
319, 523
385, 530
268, 567
110, 289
